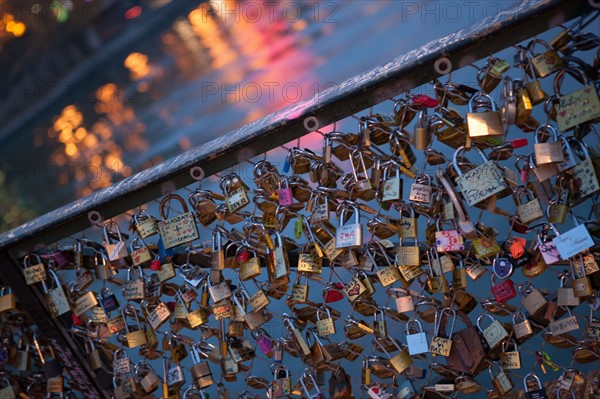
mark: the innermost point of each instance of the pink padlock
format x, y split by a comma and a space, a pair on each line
284, 193
265, 343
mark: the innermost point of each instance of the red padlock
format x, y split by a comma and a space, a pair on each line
155, 264
333, 292
425, 101
503, 291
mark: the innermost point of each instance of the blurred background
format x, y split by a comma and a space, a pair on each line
92, 91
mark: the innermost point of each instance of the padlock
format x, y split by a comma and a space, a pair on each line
299, 291
173, 375
502, 267
522, 328
400, 146
529, 209
436, 280
217, 253
517, 253
55, 296
201, 374
83, 278
558, 206
403, 299
564, 325
408, 260
140, 253
8, 300
542, 173
448, 240
423, 133
359, 182
566, 295
480, 183
578, 107
135, 288
546, 246
264, 341
179, 229
258, 300
50, 365
501, 382
584, 179
147, 376
400, 361
116, 251
121, 362
145, 224
486, 123
220, 291
440, 344
380, 325
533, 87
101, 265
326, 325
417, 342
124, 386
348, 236
421, 190
35, 273
82, 301
510, 360
108, 301
538, 392
390, 184
459, 275
21, 357
250, 267
546, 63
279, 270
282, 383
508, 98
136, 337
388, 274
254, 319
284, 193
355, 329
166, 272
6, 389
318, 394
550, 151
533, 300
487, 78
582, 286
494, 333
485, 247
235, 191
474, 270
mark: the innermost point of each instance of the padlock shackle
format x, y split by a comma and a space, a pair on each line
168, 198
575, 72
107, 227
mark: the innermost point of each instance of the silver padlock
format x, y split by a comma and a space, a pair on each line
348, 236
417, 342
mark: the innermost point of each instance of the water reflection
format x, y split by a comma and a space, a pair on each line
221, 65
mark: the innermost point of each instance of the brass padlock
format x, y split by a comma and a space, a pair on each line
546, 63
136, 337
486, 123
579, 106
423, 132
440, 344
201, 373
548, 152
